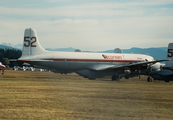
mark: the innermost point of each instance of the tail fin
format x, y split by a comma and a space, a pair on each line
31, 45
169, 64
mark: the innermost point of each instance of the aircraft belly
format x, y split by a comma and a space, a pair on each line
64, 65
94, 74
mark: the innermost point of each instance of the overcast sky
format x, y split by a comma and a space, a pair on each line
89, 24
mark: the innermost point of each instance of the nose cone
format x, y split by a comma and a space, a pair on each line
4, 67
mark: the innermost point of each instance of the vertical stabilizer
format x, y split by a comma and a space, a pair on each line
31, 45
170, 56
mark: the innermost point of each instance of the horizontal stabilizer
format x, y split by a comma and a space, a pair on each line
34, 60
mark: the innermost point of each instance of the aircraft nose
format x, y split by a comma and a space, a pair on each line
4, 67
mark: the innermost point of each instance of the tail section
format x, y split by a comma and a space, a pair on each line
169, 64
31, 45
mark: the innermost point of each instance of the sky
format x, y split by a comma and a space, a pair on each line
89, 24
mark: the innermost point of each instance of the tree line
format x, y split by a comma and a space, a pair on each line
7, 54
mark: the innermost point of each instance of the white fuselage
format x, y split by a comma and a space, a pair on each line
91, 65
75, 61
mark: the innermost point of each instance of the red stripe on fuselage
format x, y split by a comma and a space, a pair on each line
82, 60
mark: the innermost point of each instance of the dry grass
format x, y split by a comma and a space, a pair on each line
46, 95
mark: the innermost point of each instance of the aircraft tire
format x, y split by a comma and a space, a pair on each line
149, 79
3, 71
115, 78
91, 78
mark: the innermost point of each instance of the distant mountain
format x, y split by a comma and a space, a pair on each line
157, 53
10, 46
18, 46
7, 44
164, 48
70, 49
5, 47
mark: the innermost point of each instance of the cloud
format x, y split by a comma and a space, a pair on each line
90, 25
88, 10
92, 34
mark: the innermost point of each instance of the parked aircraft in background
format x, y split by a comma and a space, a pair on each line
89, 65
169, 64
166, 72
2, 67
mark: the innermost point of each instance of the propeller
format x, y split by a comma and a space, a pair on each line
154, 67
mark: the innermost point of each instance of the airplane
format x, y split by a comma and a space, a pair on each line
166, 72
2, 67
88, 65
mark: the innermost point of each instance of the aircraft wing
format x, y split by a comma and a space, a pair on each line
144, 63
133, 64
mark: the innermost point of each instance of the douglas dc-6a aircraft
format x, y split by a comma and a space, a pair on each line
89, 65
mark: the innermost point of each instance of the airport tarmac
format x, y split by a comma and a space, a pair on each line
47, 95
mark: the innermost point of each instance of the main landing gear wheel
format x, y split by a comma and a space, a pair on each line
3, 71
91, 78
126, 77
149, 79
115, 78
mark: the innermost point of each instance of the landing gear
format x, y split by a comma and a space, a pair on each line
126, 77
149, 79
91, 78
3, 71
115, 78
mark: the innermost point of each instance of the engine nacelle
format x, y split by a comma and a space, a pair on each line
156, 67
127, 72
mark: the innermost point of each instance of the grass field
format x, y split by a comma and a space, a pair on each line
51, 96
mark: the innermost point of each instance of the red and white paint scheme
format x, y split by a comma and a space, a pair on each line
2, 67
90, 65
